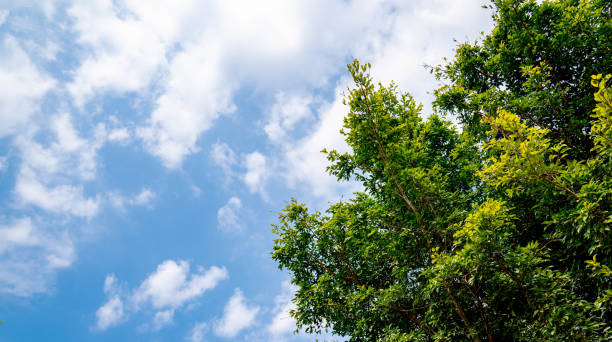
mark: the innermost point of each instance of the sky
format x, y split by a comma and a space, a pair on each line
147, 146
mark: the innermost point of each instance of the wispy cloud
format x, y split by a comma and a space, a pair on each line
257, 172
228, 216
22, 86
30, 256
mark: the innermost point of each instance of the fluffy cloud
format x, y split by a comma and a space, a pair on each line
224, 157
162, 319
392, 52
166, 290
303, 164
196, 93
22, 86
52, 176
197, 332
237, 316
127, 42
227, 216
144, 197
171, 285
287, 111
111, 285
201, 53
112, 312
67, 199
119, 135
3, 15
47, 175
431, 24
257, 172
282, 322
31, 256
109, 314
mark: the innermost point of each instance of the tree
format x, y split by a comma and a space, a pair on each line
499, 231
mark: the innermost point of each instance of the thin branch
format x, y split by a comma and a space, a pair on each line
514, 278
522, 22
461, 313
481, 309
414, 319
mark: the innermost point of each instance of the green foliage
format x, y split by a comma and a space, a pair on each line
499, 231
536, 63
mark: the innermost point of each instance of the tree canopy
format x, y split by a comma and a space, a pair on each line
497, 230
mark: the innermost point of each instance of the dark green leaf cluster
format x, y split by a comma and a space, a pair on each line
501, 231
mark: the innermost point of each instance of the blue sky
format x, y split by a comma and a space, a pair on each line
146, 147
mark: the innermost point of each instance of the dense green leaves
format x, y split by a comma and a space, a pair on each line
499, 231
536, 63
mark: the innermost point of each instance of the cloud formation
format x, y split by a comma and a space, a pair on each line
30, 256
22, 85
282, 322
197, 332
237, 316
228, 218
257, 172
164, 291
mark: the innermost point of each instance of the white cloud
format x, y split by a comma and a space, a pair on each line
109, 314
433, 24
47, 51
225, 158
3, 163
22, 86
3, 15
257, 172
113, 311
166, 290
197, 332
171, 285
144, 197
227, 216
162, 319
30, 256
46, 6
285, 114
52, 177
132, 44
111, 286
418, 32
119, 135
195, 95
304, 165
120, 202
282, 322
47, 175
237, 316
127, 42
60, 199
197, 191
284, 43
